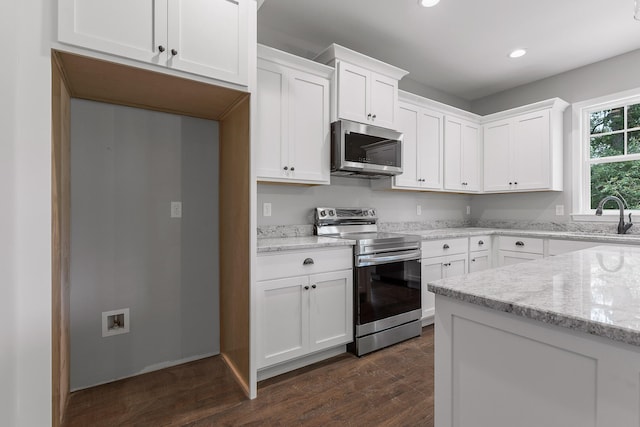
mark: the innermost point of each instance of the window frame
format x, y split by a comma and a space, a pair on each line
581, 209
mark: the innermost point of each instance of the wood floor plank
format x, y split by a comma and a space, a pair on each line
391, 387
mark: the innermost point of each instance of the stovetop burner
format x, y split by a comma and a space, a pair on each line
360, 224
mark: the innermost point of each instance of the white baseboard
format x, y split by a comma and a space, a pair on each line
292, 365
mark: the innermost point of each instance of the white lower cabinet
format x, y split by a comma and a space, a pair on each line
450, 260
479, 253
512, 250
300, 315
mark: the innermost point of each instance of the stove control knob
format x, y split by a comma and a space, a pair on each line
323, 213
365, 213
332, 212
372, 212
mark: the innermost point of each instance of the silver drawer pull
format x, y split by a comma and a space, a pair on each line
480, 242
307, 261
445, 246
519, 243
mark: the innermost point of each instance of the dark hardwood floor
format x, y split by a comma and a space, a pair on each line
391, 387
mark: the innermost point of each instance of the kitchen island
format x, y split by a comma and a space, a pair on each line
552, 342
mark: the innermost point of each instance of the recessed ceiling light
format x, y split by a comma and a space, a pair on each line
428, 3
517, 53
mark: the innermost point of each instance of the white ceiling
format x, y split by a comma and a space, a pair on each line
459, 46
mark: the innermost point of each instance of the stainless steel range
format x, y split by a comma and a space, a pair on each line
387, 276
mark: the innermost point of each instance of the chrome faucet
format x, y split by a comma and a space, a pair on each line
622, 227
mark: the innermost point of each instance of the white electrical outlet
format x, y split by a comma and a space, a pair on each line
468, 210
176, 209
559, 210
266, 209
418, 210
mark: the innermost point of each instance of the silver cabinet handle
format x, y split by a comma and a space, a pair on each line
373, 117
313, 286
161, 48
307, 261
306, 288
292, 168
473, 260
480, 242
519, 243
369, 116
174, 52
445, 246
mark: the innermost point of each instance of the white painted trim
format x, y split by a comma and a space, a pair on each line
420, 101
336, 52
273, 371
556, 104
578, 153
266, 53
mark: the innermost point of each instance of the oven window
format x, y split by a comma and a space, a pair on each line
386, 290
361, 148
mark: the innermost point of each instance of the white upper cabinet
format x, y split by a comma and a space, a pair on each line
462, 150
204, 37
421, 148
523, 148
365, 90
293, 119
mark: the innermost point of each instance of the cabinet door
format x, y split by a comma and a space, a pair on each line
509, 257
408, 125
384, 101
120, 27
272, 121
531, 151
470, 162
282, 319
455, 266
478, 261
496, 156
309, 138
331, 309
461, 155
453, 154
432, 269
353, 92
430, 149
210, 38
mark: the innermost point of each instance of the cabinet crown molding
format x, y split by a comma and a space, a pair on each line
266, 53
336, 52
556, 104
420, 101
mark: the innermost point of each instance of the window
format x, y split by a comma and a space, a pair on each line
610, 155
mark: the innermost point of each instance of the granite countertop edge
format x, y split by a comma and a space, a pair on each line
281, 244
599, 329
277, 244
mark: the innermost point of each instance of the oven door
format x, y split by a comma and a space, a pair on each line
387, 290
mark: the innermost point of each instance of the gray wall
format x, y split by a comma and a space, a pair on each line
293, 204
127, 165
602, 78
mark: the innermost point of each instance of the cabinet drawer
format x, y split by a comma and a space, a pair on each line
479, 243
292, 263
521, 244
444, 247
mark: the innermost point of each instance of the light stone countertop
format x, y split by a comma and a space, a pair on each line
294, 243
595, 291
274, 244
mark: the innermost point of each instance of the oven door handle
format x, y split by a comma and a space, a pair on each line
385, 258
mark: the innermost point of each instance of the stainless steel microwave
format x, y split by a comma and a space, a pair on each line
359, 149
